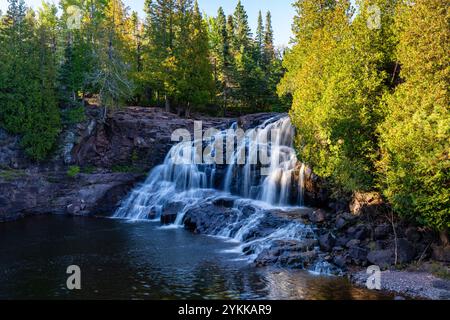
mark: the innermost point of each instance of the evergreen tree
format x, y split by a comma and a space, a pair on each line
268, 46
27, 78
337, 74
414, 136
198, 72
260, 37
161, 29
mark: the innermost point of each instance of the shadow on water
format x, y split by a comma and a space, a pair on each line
123, 260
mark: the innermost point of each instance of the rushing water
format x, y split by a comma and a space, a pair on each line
122, 260
260, 171
184, 177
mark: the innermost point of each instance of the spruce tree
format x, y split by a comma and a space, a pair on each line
260, 37
268, 46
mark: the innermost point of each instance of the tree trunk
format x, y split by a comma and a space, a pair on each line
167, 103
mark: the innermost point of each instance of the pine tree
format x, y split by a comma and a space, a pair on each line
242, 31
27, 78
200, 73
161, 28
222, 57
260, 37
268, 46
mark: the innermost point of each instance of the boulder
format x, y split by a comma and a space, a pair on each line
441, 253
385, 258
366, 203
318, 216
327, 241
406, 251
358, 254
413, 235
382, 231
168, 218
381, 258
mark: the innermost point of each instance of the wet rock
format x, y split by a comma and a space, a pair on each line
226, 202
318, 216
173, 208
76, 207
253, 120
327, 241
308, 257
168, 218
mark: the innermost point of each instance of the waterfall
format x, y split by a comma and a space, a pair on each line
257, 182
182, 179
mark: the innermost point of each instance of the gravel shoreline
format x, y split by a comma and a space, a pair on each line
407, 284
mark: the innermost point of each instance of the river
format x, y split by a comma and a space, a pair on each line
141, 260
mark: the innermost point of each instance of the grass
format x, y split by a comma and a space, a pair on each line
73, 171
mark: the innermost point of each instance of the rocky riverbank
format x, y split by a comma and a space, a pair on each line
100, 160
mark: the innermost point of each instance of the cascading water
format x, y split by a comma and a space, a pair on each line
259, 171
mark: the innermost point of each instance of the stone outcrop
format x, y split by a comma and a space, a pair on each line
26, 193
132, 140
136, 136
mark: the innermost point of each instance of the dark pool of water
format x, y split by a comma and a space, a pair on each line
122, 260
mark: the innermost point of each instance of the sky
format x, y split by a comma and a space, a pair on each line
282, 12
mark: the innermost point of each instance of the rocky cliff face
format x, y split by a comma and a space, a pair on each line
136, 136
113, 155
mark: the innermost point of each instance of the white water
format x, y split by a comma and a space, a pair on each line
181, 179
180, 184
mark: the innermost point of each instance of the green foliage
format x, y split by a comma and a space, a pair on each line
358, 123
336, 75
73, 171
415, 136
74, 115
28, 105
246, 69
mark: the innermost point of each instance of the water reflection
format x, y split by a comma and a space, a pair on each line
121, 260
